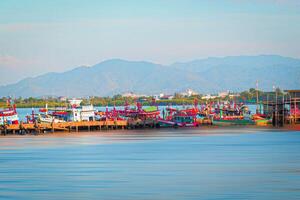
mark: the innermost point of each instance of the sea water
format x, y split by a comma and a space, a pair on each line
187, 163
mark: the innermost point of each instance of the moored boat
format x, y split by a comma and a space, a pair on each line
9, 115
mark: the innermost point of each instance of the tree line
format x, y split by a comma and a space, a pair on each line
248, 96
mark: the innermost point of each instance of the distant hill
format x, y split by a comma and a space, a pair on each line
209, 75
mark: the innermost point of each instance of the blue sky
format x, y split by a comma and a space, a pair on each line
43, 36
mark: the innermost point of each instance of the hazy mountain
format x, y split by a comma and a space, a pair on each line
207, 75
241, 72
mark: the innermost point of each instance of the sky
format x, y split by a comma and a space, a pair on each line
37, 37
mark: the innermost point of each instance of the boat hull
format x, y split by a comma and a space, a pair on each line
222, 122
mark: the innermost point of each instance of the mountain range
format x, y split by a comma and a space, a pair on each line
210, 75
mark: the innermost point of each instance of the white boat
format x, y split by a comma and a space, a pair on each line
44, 118
74, 113
9, 115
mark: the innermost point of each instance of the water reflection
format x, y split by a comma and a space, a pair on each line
204, 163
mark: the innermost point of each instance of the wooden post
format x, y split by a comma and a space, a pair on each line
36, 129
52, 127
5, 129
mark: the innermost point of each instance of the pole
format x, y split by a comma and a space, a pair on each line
283, 107
295, 110
257, 97
268, 104
276, 109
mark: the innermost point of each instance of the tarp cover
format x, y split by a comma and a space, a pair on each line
150, 109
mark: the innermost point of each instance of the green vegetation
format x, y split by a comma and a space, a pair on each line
248, 96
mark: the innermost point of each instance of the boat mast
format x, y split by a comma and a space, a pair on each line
257, 97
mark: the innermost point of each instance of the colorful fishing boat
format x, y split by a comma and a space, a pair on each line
179, 117
138, 111
9, 115
236, 115
75, 112
138, 116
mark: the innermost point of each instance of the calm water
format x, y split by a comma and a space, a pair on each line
202, 163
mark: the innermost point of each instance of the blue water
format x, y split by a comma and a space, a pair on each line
196, 163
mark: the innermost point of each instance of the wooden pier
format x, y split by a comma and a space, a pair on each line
84, 126
37, 128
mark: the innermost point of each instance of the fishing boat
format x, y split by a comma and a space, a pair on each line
9, 115
224, 122
138, 111
138, 116
179, 117
75, 112
261, 119
45, 118
236, 115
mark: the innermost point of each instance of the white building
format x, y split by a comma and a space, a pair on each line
189, 92
133, 95
167, 97
208, 96
158, 96
223, 94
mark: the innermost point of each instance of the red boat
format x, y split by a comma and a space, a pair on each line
139, 112
9, 115
180, 117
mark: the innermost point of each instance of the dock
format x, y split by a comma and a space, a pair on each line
36, 128
84, 126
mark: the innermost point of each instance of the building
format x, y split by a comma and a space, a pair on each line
133, 95
158, 96
208, 96
62, 98
189, 92
167, 97
234, 95
223, 94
